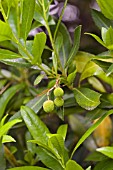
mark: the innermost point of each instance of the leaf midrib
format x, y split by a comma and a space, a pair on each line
85, 96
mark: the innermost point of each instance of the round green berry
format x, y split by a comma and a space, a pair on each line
59, 101
58, 92
48, 106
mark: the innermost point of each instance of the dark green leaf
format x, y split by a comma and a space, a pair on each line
75, 47
27, 17
76, 125
30, 146
86, 98
12, 19
6, 97
96, 156
18, 62
56, 143
67, 44
36, 127
38, 47
72, 165
90, 130
106, 8
55, 62
58, 42
35, 104
2, 158
100, 19
38, 14
46, 147
48, 159
104, 165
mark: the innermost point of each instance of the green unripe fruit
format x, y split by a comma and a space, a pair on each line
59, 101
58, 92
48, 106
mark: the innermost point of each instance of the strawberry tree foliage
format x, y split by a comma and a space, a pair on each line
49, 69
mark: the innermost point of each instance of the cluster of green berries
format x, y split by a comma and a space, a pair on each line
48, 105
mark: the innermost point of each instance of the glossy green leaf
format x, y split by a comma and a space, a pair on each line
81, 59
97, 38
104, 165
59, 42
49, 159
30, 146
90, 130
5, 31
40, 8
7, 138
27, 17
91, 69
2, 158
39, 15
105, 78
75, 47
96, 84
39, 79
71, 77
55, 62
7, 126
107, 151
28, 168
107, 37
62, 130
18, 62
72, 165
96, 156
110, 70
86, 98
35, 104
100, 20
12, 20
58, 45
56, 143
38, 47
46, 147
6, 54
36, 127
6, 97
106, 8
66, 45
